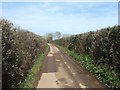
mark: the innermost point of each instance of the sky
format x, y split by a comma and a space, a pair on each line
65, 17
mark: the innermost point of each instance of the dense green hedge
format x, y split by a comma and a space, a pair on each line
20, 49
103, 46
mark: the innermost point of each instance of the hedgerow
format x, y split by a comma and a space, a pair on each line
103, 47
20, 49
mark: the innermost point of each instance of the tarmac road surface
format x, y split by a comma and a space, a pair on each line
61, 71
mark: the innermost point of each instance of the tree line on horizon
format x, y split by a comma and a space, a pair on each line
53, 36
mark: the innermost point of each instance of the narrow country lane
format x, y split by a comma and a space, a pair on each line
61, 71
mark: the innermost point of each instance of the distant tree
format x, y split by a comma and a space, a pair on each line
58, 35
49, 37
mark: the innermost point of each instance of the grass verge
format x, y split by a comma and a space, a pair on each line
28, 82
104, 74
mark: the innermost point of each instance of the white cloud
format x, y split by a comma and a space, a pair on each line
43, 18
